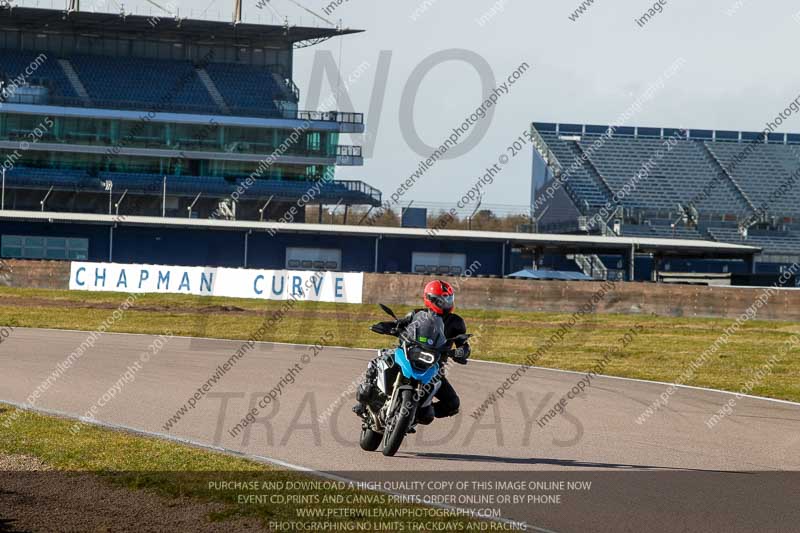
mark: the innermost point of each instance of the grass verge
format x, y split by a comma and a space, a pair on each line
662, 351
174, 470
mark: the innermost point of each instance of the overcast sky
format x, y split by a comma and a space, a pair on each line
740, 70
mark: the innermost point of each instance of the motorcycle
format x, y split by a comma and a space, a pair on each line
408, 379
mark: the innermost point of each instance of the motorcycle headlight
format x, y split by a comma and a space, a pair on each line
426, 357
417, 354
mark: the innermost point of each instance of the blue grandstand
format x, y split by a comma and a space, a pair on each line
178, 118
250, 87
138, 83
726, 186
48, 73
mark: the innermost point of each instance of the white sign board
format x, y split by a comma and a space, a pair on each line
232, 282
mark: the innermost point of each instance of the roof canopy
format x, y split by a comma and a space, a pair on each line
135, 26
538, 241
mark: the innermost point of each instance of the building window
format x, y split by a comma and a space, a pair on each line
321, 259
434, 263
28, 247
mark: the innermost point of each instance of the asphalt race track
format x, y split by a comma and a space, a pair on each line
669, 473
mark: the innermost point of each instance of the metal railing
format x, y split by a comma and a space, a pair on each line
362, 188
592, 266
293, 89
130, 105
212, 146
21, 178
344, 150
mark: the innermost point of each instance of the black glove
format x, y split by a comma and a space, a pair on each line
385, 328
461, 354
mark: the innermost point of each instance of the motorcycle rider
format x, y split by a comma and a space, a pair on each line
439, 299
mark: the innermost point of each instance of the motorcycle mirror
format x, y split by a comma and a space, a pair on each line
388, 311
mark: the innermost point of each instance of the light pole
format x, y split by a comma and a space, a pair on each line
46, 196
264, 209
109, 185
194, 202
3, 194
474, 211
116, 205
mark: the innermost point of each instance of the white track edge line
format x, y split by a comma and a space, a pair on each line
651, 382
257, 458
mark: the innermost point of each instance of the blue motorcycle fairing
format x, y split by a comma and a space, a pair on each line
409, 372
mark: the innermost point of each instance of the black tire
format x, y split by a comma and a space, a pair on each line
370, 440
393, 437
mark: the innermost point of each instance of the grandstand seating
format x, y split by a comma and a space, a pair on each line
143, 82
693, 171
246, 87
704, 169
783, 242
763, 171
725, 234
664, 229
216, 186
580, 181
661, 229
638, 230
677, 178
13, 64
772, 242
45, 177
78, 180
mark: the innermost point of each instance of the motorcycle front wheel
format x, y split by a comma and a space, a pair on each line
397, 428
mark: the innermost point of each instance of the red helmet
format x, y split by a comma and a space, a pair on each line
439, 297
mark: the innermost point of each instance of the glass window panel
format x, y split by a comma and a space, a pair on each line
33, 252
12, 251
151, 49
78, 243
78, 255
32, 247
27, 40
12, 240
55, 253
138, 48
110, 47
82, 44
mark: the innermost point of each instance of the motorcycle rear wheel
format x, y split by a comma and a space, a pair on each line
395, 433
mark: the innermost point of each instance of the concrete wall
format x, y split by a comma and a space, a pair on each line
503, 294
568, 297
34, 274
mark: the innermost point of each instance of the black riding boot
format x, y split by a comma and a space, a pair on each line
367, 391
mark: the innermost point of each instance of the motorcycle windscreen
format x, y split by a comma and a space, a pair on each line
428, 329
